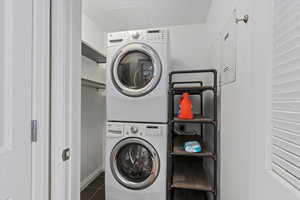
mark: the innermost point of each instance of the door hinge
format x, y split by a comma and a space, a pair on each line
66, 154
244, 19
34, 127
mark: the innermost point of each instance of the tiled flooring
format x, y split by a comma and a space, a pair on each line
95, 191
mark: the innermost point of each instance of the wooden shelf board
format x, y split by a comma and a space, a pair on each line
189, 195
178, 149
191, 89
190, 174
196, 119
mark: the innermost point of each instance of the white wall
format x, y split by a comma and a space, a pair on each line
93, 35
220, 12
188, 50
234, 102
245, 104
265, 183
188, 46
93, 106
93, 118
92, 71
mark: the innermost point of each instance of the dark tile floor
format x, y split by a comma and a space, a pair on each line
95, 190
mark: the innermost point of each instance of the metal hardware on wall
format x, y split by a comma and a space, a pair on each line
66, 154
228, 50
34, 130
245, 19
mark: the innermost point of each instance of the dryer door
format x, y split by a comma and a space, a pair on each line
135, 163
136, 69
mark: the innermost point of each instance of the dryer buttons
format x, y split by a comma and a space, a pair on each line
135, 35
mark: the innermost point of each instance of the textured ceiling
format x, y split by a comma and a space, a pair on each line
116, 15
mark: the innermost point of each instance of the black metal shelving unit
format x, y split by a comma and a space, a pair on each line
186, 176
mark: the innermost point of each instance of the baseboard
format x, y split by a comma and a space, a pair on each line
91, 178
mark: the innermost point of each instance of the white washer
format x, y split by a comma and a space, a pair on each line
137, 76
135, 165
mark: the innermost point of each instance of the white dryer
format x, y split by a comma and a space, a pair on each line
136, 159
137, 76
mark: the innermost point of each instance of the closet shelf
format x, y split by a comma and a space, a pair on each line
93, 84
191, 176
197, 119
178, 149
92, 53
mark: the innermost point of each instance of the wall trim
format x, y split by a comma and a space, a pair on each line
65, 98
41, 99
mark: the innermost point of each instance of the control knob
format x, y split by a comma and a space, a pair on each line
135, 35
134, 129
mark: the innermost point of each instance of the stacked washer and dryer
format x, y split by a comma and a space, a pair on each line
137, 115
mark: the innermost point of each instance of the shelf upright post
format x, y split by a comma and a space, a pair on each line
170, 140
216, 133
201, 111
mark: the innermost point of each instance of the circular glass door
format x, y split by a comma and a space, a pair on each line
136, 69
134, 163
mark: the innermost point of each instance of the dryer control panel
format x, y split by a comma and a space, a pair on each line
150, 35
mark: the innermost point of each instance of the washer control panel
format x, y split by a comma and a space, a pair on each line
152, 131
115, 130
135, 35
134, 129
140, 130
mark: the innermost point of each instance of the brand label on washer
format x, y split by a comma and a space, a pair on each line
114, 130
153, 131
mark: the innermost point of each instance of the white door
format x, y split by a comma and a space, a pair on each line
15, 99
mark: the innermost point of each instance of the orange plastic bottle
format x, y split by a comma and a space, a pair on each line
186, 107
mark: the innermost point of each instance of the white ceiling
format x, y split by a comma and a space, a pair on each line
116, 15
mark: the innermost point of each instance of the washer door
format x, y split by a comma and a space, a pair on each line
134, 163
136, 69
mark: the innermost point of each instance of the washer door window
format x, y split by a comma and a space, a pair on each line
135, 163
136, 69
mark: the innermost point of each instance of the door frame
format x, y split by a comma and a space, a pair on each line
65, 98
40, 186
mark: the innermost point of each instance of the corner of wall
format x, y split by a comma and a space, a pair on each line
93, 34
